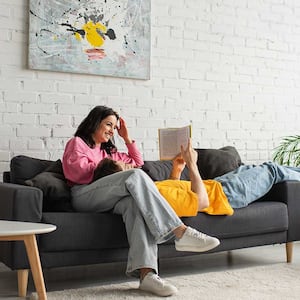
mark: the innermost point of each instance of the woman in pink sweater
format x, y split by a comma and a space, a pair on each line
148, 218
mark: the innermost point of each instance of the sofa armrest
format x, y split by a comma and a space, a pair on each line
289, 193
20, 203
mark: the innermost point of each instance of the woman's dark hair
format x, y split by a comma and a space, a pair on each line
91, 123
106, 167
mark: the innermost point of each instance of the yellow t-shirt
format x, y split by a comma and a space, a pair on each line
179, 195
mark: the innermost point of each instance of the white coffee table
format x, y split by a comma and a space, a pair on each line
26, 231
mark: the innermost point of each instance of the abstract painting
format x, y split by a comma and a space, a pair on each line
101, 37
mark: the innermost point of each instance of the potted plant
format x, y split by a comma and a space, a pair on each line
288, 151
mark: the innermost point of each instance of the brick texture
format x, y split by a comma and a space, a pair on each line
231, 68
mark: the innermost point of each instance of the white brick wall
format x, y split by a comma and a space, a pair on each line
230, 67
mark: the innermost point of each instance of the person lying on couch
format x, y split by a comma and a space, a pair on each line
187, 198
235, 189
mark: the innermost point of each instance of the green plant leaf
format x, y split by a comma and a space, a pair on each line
288, 151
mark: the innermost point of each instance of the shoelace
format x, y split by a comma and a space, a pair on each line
194, 233
158, 281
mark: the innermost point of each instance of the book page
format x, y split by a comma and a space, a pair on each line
170, 140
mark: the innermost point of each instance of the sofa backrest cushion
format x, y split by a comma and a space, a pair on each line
211, 163
160, 170
216, 162
23, 167
46, 175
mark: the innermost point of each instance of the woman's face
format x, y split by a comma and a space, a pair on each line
105, 130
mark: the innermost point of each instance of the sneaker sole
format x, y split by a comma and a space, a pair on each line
159, 293
196, 249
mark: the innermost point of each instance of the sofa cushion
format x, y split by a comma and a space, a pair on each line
23, 167
56, 192
216, 162
160, 170
83, 231
211, 163
255, 219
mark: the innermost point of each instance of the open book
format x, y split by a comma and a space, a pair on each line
170, 140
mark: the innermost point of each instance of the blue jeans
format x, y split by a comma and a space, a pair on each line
148, 218
249, 183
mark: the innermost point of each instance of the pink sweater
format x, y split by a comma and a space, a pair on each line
79, 160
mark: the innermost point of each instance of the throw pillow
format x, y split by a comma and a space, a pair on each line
216, 162
55, 167
56, 192
23, 167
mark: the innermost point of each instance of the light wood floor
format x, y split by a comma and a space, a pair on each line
83, 276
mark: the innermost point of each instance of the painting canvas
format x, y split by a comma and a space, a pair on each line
102, 37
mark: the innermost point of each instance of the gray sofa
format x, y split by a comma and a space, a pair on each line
35, 190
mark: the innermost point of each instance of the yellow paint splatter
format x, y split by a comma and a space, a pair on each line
91, 34
77, 36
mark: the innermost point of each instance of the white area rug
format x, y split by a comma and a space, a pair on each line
274, 282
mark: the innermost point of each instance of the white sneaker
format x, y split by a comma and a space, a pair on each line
195, 241
154, 284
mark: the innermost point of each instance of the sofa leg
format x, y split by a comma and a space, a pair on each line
289, 251
22, 282
229, 257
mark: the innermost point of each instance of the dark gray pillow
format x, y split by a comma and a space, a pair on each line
56, 192
211, 163
216, 162
55, 167
24, 167
157, 170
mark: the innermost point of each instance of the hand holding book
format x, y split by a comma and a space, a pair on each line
171, 140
